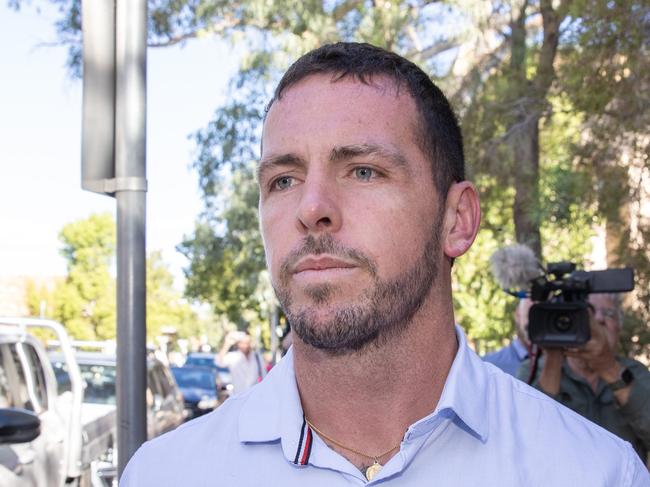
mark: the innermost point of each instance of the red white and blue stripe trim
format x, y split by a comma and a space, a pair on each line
304, 445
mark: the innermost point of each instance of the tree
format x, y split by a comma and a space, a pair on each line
84, 302
226, 255
611, 91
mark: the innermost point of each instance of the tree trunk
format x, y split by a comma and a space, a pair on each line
529, 105
526, 207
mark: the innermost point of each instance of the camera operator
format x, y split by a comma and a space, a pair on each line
610, 390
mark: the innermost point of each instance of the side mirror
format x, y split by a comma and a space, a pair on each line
18, 426
157, 402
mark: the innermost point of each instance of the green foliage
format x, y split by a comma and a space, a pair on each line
226, 254
84, 302
481, 307
165, 306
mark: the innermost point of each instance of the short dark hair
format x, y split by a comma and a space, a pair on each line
437, 132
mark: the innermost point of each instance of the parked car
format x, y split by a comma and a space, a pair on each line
164, 399
89, 429
165, 407
224, 379
34, 454
199, 389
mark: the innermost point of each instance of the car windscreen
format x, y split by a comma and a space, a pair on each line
100, 383
200, 362
191, 377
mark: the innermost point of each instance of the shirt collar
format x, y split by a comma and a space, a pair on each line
465, 395
272, 410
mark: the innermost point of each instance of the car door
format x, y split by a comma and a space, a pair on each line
165, 410
175, 403
23, 385
172, 406
155, 413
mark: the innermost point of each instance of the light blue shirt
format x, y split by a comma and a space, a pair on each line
488, 429
510, 357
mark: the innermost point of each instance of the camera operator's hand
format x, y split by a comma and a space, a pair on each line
549, 378
597, 354
229, 340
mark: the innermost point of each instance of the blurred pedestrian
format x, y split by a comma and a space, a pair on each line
245, 364
510, 357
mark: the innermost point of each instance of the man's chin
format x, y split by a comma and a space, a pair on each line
334, 329
326, 298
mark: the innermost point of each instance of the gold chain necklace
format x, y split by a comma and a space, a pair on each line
373, 469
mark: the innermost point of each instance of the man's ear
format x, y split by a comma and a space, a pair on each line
462, 218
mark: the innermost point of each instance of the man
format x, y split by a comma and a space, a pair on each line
245, 364
610, 390
363, 208
510, 357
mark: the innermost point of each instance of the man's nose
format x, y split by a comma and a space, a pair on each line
318, 209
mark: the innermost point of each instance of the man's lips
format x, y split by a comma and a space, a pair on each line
321, 264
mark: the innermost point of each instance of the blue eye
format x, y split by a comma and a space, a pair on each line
283, 183
364, 173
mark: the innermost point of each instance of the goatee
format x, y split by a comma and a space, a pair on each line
384, 310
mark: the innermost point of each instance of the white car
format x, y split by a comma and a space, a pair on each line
35, 458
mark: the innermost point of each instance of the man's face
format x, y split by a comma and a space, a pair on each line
349, 213
521, 319
244, 345
606, 315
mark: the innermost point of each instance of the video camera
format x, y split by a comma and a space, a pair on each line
560, 316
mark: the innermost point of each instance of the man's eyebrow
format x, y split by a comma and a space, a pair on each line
267, 163
345, 152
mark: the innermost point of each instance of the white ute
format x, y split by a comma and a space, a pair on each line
73, 435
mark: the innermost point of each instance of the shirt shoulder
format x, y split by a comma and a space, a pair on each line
166, 460
555, 438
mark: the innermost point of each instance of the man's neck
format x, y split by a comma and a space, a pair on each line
367, 400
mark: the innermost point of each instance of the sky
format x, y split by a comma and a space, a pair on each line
40, 142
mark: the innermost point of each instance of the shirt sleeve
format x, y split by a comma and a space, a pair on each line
130, 477
637, 473
636, 411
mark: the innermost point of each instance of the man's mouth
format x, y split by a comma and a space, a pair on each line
322, 264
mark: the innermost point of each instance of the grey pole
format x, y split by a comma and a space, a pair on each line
130, 191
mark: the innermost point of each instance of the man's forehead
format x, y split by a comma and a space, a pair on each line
601, 300
319, 97
340, 83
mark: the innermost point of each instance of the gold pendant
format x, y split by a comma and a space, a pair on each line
373, 470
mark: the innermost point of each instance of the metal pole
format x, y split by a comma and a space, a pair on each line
130, 172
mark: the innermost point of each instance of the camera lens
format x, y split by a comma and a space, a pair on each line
563, 323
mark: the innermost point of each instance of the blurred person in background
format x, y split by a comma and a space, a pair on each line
245, 364
510, 357
611, 390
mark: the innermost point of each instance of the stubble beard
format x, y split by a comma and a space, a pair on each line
384, 310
